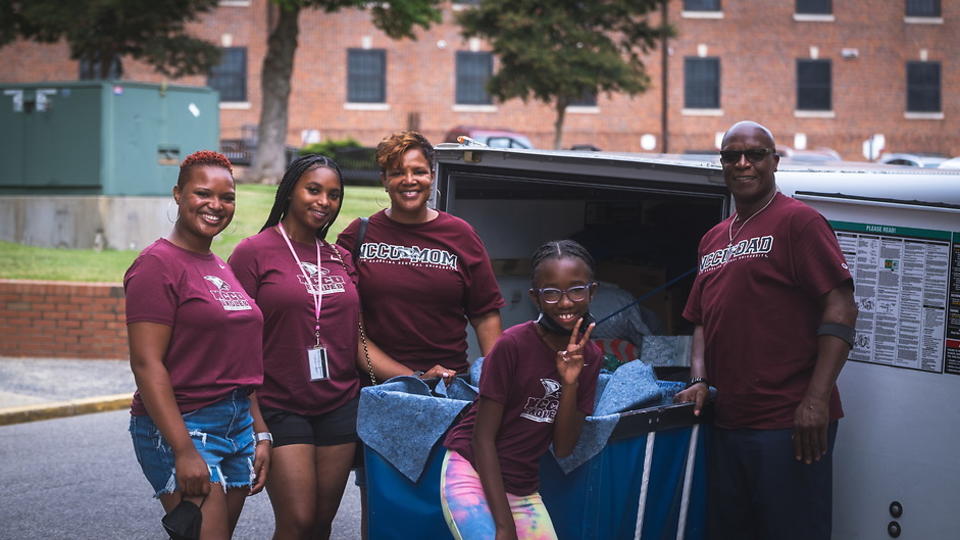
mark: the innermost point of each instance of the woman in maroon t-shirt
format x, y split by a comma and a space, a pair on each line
536, 388
313, 353
194, 419
423, 273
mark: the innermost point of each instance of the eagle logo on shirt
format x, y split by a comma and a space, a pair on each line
550, 387
311, 270
331, 283
543, 409
229, 299
218, 283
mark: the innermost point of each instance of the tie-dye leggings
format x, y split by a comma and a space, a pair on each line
466, 511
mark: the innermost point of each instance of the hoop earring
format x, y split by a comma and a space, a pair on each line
169, 206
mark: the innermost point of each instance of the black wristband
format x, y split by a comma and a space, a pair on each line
697, 380
842, 331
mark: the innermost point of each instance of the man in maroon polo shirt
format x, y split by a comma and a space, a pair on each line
774, 313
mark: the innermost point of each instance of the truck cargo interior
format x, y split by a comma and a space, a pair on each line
642, 233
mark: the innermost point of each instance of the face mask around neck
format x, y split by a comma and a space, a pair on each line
547, 323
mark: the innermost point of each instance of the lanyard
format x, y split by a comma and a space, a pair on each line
318, 294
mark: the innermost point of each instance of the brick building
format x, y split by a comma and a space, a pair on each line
818, 73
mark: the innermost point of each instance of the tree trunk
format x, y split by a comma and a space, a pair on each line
558, 124
269, 160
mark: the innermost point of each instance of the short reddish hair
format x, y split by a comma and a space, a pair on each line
203, 158
393, 146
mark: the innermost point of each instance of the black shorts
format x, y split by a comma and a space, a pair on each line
338, 426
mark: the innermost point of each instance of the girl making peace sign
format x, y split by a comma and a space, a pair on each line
537, 386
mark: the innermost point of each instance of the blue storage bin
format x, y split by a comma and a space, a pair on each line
647, 481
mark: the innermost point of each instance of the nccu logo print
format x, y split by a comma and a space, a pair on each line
543, 409
408, 255
230, 300
758, 246
331, 284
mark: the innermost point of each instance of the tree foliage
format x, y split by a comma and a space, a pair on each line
560, 51
103, 31
396, 18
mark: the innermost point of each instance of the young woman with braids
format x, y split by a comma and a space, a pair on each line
195, 351
307, 290
536, 388
423, 273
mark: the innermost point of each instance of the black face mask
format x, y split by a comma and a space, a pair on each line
183, 522
547, 323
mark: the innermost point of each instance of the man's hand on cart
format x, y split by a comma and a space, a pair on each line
696, 393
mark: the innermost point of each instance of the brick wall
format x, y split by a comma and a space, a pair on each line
62, 320
758, 44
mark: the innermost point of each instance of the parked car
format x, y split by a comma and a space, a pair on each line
952, 163
585, 148
492, 137
913, 160
816, 155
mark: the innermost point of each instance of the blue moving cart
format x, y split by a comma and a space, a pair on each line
647, 482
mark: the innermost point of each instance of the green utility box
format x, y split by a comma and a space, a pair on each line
113, 138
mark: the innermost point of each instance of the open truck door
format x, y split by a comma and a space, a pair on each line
896, 470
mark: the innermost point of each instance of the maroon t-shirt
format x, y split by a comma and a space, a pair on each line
418, 285
521, 374
216, 327
266, 268
759, 309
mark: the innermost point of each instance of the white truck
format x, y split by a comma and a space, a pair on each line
897, 456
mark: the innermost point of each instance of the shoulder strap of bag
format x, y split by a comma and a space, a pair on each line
361, 234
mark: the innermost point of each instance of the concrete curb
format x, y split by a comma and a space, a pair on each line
59, 409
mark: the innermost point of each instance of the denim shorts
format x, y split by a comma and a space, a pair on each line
222, 433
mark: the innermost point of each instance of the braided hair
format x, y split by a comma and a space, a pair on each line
299, 167
557, 249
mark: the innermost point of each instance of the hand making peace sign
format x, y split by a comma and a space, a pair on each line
570, 360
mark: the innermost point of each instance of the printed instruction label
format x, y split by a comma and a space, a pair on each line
908, 292
952, 362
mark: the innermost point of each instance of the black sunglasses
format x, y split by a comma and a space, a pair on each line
754, 155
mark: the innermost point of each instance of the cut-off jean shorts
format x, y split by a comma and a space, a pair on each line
222, 433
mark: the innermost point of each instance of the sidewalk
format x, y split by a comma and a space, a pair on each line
40, 388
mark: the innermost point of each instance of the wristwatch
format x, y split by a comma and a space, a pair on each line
698, 380
264, 436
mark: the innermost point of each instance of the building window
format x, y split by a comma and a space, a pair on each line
366, 76
923, 87
813, 85
588, 99
229, 77
473, 72
701, 83
701, 5
923, 8
814, 7
90, 69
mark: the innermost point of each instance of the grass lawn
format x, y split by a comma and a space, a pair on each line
253, 204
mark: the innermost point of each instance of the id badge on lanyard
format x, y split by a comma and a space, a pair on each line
317, 361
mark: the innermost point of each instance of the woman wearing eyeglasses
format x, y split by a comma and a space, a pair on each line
423, 273
536, 388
